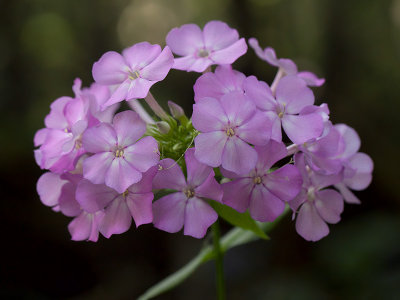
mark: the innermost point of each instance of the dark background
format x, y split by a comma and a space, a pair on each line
354, 44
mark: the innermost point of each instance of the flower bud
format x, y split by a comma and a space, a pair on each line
163, 127
176, 110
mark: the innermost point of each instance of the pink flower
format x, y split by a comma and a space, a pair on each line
287, 108
316, 205
223, 81
216, 44
227, 126
263, 192
119, 208
134, 72
286, 65
121, 155
186, 207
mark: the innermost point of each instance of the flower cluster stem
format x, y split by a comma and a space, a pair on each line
219, 265
137, 107
158, 110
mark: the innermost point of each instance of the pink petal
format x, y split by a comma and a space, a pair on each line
170, 176
237, 193
197, 172
185, 40
276, 130
350, 138
120, 175
117, 218
285, 183
260, 93
110, 69
129, 127
294, 94
288, 66
302, 128
218, 35
311, 79
198, 217
86, 226
139, 88
119, 94
67, 202
56, 119
265, 206
238, 108
230, 54
185, 63
210, 189
348, 196
94, 197
95, 167
100, 138
158, 69
49, 188
146, 183
309, 224
200, 64
329, 205
238, 156
140, 207
75, 110
40, 136
140, 55
269, 154
169, 212
143, 155
257, 130
363, 165
209, 147
268, 54
208, 115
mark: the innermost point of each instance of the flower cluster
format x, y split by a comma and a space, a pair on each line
257, 147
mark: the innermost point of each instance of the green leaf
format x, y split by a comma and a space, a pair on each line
242, 220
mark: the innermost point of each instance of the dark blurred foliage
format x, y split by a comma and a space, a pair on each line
354, 44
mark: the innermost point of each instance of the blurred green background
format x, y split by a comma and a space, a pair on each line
354, 44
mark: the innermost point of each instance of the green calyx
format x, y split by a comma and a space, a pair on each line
174, 142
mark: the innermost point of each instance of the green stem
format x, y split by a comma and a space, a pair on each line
235, 237
219, 262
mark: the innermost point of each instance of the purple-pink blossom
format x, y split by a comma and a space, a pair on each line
120, 154
263, 192
216, 44
287, 108
131, 74
227, 126
315, 205
287, 66
187, 206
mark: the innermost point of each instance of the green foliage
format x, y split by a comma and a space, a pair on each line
242, 220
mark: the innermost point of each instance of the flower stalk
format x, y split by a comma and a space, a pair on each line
219, 263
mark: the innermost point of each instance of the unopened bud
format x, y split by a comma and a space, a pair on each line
176, 110
163, 127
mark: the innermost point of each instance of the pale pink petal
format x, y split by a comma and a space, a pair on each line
264, 206
276, 130
117, 218
200, 64
119, 94
198, 217
129, 127
49, 188
140, 55
100, 138
257, 130
185, 63
309, 224
185, 40
348, 196
169, 176
238, 108
350, 138
75, 110
311, 79
56, 119
229, 54
146, 183
110, 69
218, 35
140, 207
209, 189
260, 93
40, 136
269, 154
208, 115
285, 183
86, 226
158, 69
293, 93
329, 205
169, 212
120, 175
143, 155
288, 66
95, 167
302, 128
209, 147
237, 193
363, 165
238, 156
197, 172
67, 202
94, 197
139, 88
